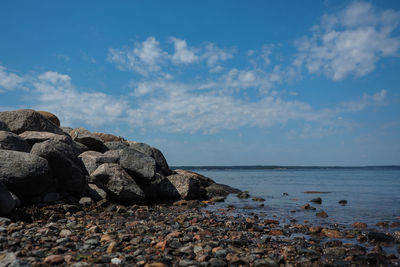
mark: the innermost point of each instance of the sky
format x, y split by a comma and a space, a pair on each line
214, 82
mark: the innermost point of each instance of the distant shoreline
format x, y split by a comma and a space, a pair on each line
278, 167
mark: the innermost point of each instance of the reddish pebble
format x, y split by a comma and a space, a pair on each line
268, 221
359, 225
382, 224
275, 232
395, 224
54, 259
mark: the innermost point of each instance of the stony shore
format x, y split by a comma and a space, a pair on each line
182, 234
71, 197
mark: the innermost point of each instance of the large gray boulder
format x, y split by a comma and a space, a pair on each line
187, 187
3, 126
24, 174
161, 162
7, 202
19, 121
11, 141
33, 137
83, 136
93, 159
138, 165
114, 145
118, 184
67, 169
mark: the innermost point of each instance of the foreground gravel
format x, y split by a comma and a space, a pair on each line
184, 234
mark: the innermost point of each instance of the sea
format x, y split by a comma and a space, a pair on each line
372, 193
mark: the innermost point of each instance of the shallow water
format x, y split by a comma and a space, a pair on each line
373, 194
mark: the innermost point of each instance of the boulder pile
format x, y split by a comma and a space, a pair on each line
41, 162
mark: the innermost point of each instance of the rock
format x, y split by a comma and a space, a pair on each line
258, 199
66, 130
65, 233
359, 225
93, 159
220, 190
111, 138
186, 186
315, 229
51, 197
85, 201
138, 165
267, 262
243, 195
87, 138
205, 181
50, 116
114, 145
24, 174
96, 192
215, 262
11, 141
22, 120
33, 137
18, 202
380, 237
54, 259
78, 148
161, 162
3, 126
322, 214
116, 261
7, 203
343, 202
331, 233
384, 224
117, 183
67, 169
335, 251
317, 200
10, 260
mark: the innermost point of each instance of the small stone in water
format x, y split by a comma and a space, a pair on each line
343, 202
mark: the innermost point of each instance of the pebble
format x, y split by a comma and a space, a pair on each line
54, 259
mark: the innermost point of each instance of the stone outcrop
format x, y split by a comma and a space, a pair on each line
67, 169
22, 120
93, 159
3, 126
11, 141
110, 138
161, 162
40, 162
24, 174
187, 186
112, 178
50, 116
33, 137
83, 136
140, 166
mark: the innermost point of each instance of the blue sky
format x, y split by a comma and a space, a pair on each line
214, 82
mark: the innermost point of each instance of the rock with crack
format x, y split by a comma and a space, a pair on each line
118, 184
67, 169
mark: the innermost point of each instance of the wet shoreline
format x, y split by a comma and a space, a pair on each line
185, 234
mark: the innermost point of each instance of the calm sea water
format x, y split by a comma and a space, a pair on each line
373, 194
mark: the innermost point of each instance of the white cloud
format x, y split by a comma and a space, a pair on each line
377, 99
9, 81
214, 56
183, 54
54, 92
146, 57
350, 42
